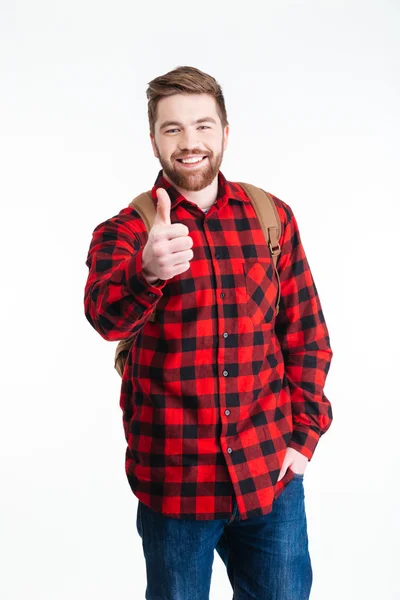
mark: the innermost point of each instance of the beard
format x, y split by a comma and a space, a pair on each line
196, 179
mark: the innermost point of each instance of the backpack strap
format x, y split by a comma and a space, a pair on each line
144, 205
270, 222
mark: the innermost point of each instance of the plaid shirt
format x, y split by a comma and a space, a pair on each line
217, 388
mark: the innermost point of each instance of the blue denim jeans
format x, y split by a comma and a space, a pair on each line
266, 558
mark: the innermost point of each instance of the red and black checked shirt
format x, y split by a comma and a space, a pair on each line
217, 387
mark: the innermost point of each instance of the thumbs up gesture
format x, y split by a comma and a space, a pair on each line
168, 249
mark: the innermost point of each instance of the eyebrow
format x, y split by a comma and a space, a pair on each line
204, 119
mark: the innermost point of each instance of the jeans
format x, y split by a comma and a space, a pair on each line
266, 558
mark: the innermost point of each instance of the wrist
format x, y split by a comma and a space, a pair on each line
149, 278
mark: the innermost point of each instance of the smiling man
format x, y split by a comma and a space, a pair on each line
222, 394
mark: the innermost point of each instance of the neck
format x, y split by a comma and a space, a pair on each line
203, 198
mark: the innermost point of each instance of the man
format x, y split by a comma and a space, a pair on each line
222, 398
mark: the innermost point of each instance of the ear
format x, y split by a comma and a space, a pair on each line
153, 146
226, 135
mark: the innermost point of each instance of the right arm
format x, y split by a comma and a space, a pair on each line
117, 298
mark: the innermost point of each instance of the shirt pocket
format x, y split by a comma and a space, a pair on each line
261, 290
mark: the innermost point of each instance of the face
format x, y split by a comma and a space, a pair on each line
177, 135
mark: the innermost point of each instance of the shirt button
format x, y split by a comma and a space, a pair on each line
151, 294
224, 373
227, 412
225, 334
229, 450
222, 295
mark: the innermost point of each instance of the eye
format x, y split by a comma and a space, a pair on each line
169, 130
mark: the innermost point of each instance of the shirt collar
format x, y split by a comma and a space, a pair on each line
227, 190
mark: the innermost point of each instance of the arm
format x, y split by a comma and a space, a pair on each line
303, 335
117, 298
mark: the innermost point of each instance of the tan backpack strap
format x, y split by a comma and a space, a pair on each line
121, 354
270, 222
144, 205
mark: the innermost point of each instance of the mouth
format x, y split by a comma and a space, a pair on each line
192, 165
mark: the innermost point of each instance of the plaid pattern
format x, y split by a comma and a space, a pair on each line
217, 387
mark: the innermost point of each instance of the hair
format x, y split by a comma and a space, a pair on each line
184, 80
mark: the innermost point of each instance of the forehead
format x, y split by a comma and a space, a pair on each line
186, 107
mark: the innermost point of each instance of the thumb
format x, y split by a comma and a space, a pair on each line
163, 214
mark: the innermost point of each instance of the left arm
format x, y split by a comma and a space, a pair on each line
304, 338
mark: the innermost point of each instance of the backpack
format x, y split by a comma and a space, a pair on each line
268, 217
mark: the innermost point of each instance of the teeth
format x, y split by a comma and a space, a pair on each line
192, 160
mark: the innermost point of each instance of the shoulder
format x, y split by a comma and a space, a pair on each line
127, 217
284, 210
286, 217
125, 224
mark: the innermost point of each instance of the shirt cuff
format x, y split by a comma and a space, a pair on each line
304, 440
143, 291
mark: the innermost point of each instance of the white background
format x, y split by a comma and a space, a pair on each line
312, 94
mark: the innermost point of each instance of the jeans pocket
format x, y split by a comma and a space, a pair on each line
296, 475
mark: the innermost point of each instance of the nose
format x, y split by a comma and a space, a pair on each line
188, 141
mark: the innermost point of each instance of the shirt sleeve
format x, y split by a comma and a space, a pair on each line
304, 339
118, 299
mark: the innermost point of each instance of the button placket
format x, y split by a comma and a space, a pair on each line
225, 373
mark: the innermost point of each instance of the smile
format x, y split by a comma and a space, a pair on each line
191, 165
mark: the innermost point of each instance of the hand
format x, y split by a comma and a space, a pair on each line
168, 249
295, 460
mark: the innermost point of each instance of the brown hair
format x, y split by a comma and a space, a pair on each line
184, 80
